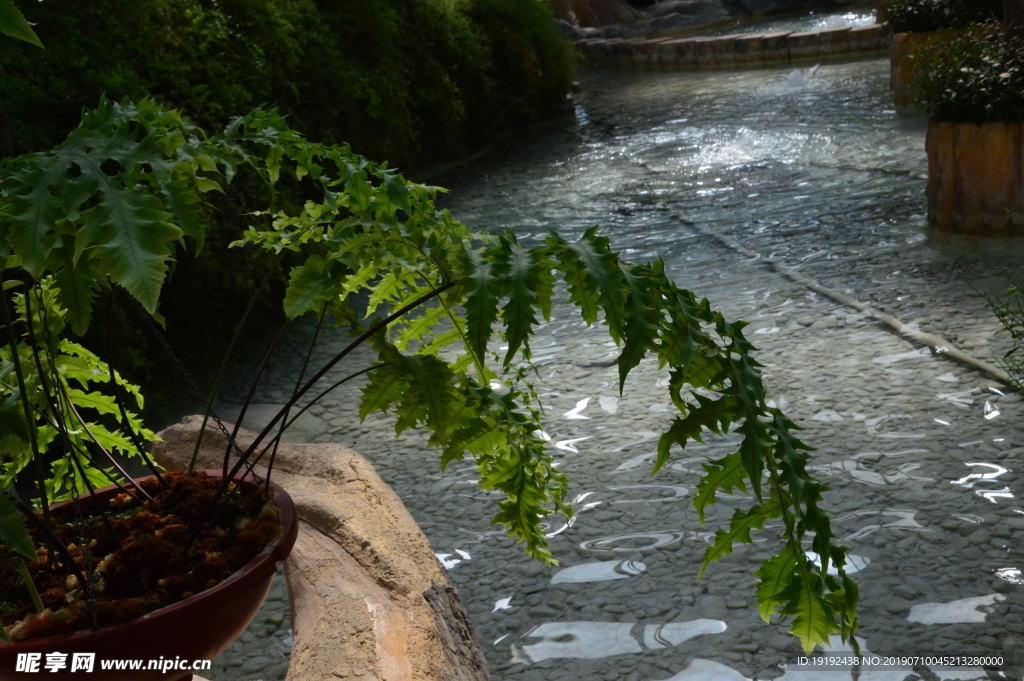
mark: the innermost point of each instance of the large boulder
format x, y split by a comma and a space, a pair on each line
369, 600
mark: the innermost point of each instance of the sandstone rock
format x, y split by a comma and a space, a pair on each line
369, 599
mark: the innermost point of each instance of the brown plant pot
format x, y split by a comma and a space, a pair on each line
197, 628
976, 179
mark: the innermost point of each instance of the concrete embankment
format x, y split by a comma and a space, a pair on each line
742, 49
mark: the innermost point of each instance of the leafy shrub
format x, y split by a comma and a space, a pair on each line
408, 80
919, 16
977, 78
414, 81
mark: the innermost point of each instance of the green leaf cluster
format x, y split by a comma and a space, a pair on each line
919, 16
976, 77
413, 81
435, 300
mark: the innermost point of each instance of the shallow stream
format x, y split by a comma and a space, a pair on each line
812, 168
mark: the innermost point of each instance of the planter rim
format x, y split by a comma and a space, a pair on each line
275, 552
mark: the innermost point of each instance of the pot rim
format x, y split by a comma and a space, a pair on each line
274, 552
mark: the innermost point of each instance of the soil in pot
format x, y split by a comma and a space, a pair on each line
147, 571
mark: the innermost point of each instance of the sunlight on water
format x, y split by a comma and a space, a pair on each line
813, 169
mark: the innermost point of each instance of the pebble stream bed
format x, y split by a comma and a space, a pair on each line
810, 167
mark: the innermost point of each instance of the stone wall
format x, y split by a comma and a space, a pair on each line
369, 600
737, 50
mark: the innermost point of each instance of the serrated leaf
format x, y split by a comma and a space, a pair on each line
13, 23
481, 304
517, 269
76, 282
723, 475
13, 531
180, 201
740, 525
14, 429
715, 415
775, 574
128, 235
640, 330
384, 388
309, 285
33, 211
813, 617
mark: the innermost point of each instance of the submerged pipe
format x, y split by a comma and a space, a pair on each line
937, 343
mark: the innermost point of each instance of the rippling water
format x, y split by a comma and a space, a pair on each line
813, 168
815, 21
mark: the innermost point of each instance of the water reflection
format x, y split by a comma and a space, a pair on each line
592, 640
598, 572
965, 610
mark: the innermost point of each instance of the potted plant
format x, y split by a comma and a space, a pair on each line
917, 24
104, 214
973, 90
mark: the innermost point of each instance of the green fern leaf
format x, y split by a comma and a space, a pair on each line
739, 530
640, 331
129, 235
775, 575
309, 285
13, 23
76, 282
724, 475
33, 211
813, 616
385, 388
481, 303
518, 272
715, 415
13, 531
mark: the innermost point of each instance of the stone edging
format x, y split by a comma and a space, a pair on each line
739, 50
369, 600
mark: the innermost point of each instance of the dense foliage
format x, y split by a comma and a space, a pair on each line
408, 80
413, 81
919, 16
1008, 307
108, 208
976, 78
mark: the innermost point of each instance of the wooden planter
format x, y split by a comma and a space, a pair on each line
906, 51
975, 180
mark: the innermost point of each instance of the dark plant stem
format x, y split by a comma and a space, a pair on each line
136, 440
10, 143
224, 363
298, 383
92, 493
103, 449
26, 406
366, 335
57, 414
56, 543
317, 399
29, 584
248, 397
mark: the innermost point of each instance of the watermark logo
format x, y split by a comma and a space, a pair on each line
55, 662
86, 662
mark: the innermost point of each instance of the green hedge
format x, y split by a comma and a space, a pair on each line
977, 78
919, 16
410, 81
